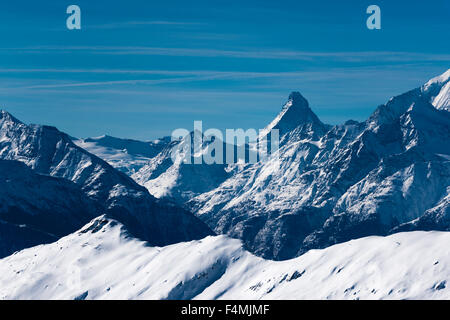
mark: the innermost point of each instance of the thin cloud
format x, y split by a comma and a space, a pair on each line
329, 72
351, 56
180, 76
130, 24
180, 73
118, 82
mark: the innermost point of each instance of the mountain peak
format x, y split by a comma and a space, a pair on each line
441, 79
295, 112
298, 100
6, 116
433, 94
437, 91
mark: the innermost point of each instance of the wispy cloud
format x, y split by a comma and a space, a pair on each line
184, 76
204, 74
131, 24
106, 83
349, 56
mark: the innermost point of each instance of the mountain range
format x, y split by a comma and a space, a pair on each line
48, 152
327, 184
361, 208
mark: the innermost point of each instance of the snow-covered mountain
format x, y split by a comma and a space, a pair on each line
328, 184
437, 91
126, 155
102, 262
172, 178
48, 151
150, 164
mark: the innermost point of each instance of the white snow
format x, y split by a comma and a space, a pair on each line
438, 80
119, 159
442, 100
101, 262
438, 90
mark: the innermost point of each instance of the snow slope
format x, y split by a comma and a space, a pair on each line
102, 261
438, 92
150, 164
168, 175
126, 155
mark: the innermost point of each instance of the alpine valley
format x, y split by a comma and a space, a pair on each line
359, 210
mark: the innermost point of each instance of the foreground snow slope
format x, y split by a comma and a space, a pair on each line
102, 262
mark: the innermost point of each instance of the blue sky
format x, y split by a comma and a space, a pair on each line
140, 69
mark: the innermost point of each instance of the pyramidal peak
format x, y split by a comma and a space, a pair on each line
296, 100
6, 116
295, 112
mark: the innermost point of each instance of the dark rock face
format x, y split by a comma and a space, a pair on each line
37, 209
